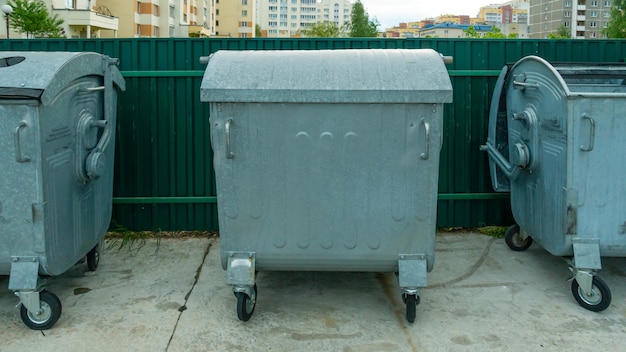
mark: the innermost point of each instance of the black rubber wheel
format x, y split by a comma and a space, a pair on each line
50, 311
245, 306
411, 306
514, 240
600, 297
93, 258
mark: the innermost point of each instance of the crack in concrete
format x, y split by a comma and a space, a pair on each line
183, 308
472, 270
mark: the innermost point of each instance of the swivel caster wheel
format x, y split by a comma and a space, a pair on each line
411, 302
48, 314
514, 240
597, 300
245, 305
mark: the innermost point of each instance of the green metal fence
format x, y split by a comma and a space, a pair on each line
164, 177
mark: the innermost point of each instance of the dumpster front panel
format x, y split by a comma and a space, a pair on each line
342, 187
21, 226
77, 208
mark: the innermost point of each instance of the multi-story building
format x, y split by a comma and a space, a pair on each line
580, 18
235, 18
510, 17
462, 19
289, 18
123, 18
82, 18
162, 18
451, 30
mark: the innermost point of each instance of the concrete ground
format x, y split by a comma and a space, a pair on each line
172, 296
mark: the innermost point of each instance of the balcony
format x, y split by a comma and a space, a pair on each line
95, 20
581, 7
580, 28
581, 18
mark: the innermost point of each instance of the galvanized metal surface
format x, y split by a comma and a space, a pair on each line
163, 153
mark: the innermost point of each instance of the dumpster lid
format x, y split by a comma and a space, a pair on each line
42, 75
327, 76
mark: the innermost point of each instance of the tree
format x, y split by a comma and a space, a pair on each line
616, 27
257, 31
561, 33
326, 30
32, 17
471, 32
361, 25
494, 33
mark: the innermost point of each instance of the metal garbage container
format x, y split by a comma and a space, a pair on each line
58, 113
556, 141
326, 161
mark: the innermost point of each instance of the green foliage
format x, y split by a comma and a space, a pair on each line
494, 33
616, 27
325, 30
257, 31
361, 26
32, 17
471, 32
561, 33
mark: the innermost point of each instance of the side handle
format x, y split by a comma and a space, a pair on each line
229, 153
592, 134
21, 158
426, 154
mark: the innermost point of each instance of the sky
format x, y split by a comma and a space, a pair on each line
391, 12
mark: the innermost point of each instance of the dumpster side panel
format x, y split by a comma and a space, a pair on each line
598, 174
21, 227
342, 187
77, 211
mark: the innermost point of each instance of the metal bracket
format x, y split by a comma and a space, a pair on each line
24, 273
412, 271
241, 269
587, 253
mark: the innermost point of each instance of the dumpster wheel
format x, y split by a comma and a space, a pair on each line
93, 258
411, 302
245, 305
49, 313
598, 300
514, 240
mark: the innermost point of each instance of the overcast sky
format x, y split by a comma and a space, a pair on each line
391, 12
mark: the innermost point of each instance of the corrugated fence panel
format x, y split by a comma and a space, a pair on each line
164, 177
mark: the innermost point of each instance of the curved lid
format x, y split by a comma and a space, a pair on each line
335, 76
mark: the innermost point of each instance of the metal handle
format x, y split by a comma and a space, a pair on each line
524, 85
592, 134
425, 155
229, 153
94, 89
18, 149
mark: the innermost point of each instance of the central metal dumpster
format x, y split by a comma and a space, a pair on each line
57, 138
326, 161
556, 141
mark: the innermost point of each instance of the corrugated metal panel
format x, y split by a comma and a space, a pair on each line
164, 177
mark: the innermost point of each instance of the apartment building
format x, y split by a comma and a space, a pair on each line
235, 18
581, 18
288, 18
84, 18
451, 30
510, 17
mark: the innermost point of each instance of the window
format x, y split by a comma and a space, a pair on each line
272, 23
244, 13
138, 29
244, 2
594, 13
593, 24
244, 35
568, 3
607, 4
567, 14
243, 24
155, 10
594, 3
156, 31
138, 6
566, 24
606, 14
273, 8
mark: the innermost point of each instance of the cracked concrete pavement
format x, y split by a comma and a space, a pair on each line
170, 295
